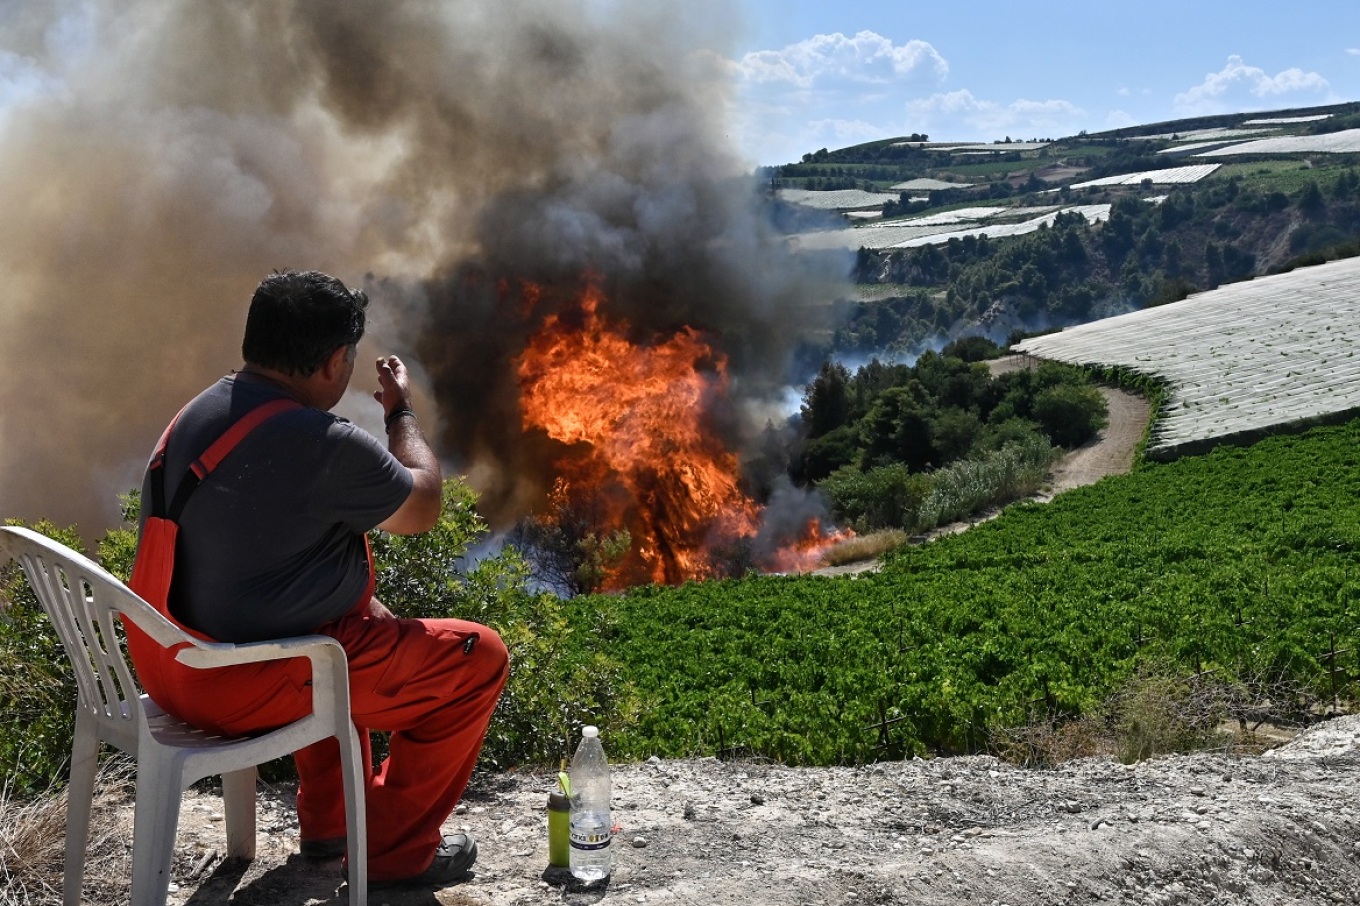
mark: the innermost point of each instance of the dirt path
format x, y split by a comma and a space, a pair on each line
1110, 452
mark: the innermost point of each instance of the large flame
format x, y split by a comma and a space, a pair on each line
634, 417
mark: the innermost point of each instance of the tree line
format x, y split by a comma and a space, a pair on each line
1197, 238
871, 439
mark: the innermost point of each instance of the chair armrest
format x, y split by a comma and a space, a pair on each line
330, 668
225, 654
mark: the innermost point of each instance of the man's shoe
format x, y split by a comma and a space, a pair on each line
322, 850
453, 861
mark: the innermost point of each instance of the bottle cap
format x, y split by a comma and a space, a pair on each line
558, 802
589, 732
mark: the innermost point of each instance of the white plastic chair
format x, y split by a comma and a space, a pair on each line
83, 600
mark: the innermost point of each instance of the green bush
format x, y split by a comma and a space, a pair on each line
968, 486
559, 678
883, 497
1071, 414
892, 496
1158, 714
823, 455
37, 687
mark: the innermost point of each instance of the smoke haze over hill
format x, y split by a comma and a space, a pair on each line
163, 156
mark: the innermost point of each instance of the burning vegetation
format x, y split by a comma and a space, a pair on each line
643, 486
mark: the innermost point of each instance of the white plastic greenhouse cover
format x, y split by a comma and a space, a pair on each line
1243, 358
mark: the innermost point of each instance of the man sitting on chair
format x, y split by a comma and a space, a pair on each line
273, 543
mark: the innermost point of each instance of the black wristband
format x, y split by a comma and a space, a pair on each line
396, 414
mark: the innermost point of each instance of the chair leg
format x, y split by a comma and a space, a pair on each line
155, 822
356, 811
79, 796
238, 804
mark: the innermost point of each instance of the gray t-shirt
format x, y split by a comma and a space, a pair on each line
271, 544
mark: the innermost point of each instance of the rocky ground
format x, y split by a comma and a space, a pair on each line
1283, 827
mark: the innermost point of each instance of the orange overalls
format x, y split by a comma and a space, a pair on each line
432, 683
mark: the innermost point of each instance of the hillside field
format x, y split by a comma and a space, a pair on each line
1240, 360
1242, 562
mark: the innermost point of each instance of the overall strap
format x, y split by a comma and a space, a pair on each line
153, 568
156, 468
208, 460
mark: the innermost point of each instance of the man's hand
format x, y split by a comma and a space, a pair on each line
378, 611
394, 384
420, 511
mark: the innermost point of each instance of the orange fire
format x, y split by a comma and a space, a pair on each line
804, 553
632, 417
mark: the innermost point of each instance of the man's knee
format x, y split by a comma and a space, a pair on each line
492, 654
476, 649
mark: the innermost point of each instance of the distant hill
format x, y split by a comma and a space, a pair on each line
1018, 236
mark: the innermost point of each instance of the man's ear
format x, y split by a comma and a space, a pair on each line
335, 363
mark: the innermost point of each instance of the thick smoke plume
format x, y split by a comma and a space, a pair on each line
160, 157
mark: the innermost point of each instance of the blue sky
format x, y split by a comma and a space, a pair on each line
830, 74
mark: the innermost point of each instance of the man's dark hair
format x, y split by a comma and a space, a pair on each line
297, 320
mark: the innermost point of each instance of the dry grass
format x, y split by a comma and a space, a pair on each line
1157, 713
33, 838
865, 547
1049, 743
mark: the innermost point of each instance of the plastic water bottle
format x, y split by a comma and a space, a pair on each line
591, 826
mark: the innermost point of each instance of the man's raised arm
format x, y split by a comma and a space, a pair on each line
420, 511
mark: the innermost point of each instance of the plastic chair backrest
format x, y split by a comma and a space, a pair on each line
84, 602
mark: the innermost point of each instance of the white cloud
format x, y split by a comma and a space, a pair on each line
865, 57
843, 133
1041, 109
952, 103
1353, 51
782, 139
962, 115
1237, 86
828, 91
1118, 119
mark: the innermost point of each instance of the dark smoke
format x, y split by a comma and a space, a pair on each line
160, 157
668, 256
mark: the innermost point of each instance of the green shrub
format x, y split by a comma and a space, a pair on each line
1156, 711
966, 487
883, 497
1157, 714
1071, 414
559, 678
1012, 430
821, 456
37, 687
892, 496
